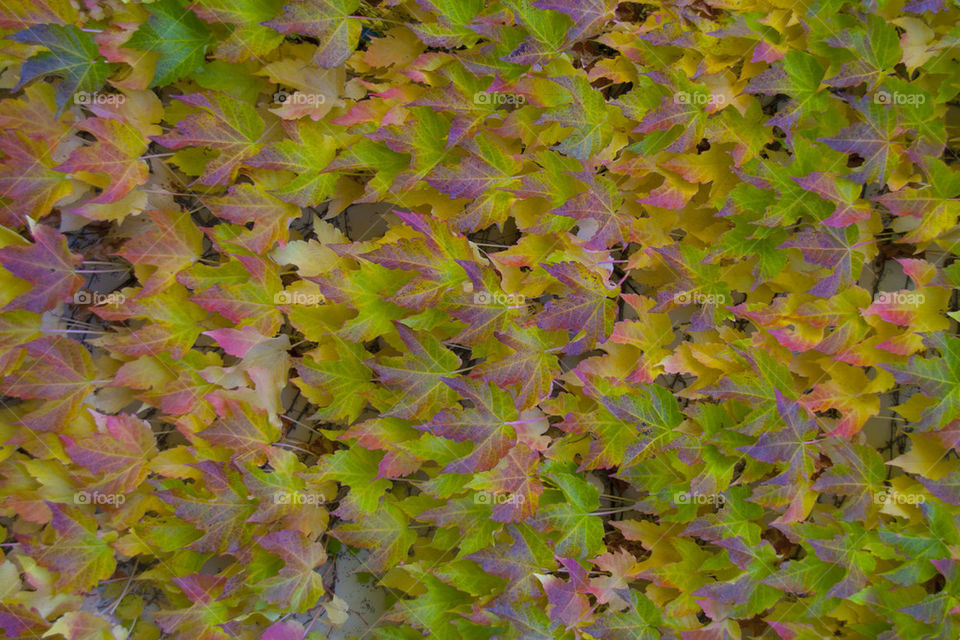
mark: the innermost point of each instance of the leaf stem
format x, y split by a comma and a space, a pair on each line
613, 511
81, 331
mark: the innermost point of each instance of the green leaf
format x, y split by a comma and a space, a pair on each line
357, 468
71, 54
580, 532
386, 533
327, 20
177, 35
418, 376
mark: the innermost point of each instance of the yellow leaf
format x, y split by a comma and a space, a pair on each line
926, 457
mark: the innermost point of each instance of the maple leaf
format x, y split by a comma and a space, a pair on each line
840, 191
48, 265
327, 20
338, 386
29, 184
357, 468
639, 622
285, 478
788, 445
174, 386
937, 378
178, 37
431, 610
622, 567
80, 625
857, 471
115, 154
35, 115
798, 76
530, 365
515, 476
877, 47
385, 533
296, 585
586, 114
610, 436
848, 392
483, 306
419, 374
528, 620
600, 203
249, 38
244, 430
586, 14
373, 156
547, 33
80, 557
60, 372
71, 54
18, 619
841, 550
588, 308
17, 328
832, 250
23, 13
363, 291
217, 510
251, 301
246, 203
934, 205
470, 516
654, 411
415, 254
173, 244
871, 139
227, 125
485, 183
683, 122
173, 324
306, 154
208, 597
487, 424
517, 561
568, 603
580, 532
118, 455
290, 630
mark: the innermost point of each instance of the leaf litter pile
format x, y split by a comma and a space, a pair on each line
486, 320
